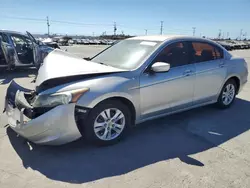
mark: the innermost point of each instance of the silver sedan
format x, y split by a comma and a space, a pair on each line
135, 80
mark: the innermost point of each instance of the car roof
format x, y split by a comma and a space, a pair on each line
11, 32
162, 38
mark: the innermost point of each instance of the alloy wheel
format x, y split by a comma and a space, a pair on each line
109, 124
228, 94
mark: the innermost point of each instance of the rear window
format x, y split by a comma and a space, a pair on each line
206, 52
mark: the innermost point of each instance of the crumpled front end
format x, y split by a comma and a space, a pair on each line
48, 126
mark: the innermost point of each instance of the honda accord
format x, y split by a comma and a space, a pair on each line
135, 80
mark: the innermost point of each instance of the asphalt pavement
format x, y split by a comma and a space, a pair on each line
204, 147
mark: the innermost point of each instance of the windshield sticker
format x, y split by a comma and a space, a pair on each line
148, 43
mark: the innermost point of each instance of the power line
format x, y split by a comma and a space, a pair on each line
23, 18
55, 21
79, 23
121, 26
85, 24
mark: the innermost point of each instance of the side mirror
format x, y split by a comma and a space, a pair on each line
160, 67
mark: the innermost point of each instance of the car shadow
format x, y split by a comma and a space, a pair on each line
7, 76
175, 136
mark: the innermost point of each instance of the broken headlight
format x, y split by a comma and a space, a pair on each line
52, 100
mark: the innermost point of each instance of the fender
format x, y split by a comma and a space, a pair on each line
94, 102
226, 79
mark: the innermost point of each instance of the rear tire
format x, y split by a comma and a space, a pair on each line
107, 123
227, 95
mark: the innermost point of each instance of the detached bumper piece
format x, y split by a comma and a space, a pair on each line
40, 125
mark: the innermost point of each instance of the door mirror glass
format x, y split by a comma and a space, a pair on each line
160, 67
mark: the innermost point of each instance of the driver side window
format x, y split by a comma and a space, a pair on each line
175, 54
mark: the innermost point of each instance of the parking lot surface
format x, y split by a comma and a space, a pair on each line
205, 147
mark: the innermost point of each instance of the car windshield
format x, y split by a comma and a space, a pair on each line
126, 54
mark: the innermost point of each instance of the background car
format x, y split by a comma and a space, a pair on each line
226, 45
21, 50
48, 42
63, 42
78, 41
85, 41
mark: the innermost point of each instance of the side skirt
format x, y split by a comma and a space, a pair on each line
174, 112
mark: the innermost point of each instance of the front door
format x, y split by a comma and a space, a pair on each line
23, 48
210, 71
170, 91
37, 54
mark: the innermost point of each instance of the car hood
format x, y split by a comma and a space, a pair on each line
60, 64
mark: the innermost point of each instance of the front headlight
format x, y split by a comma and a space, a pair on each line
56, 99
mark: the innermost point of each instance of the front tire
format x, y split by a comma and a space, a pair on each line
107, 123
227, 95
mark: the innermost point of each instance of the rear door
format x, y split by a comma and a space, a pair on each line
37, 53
210, 71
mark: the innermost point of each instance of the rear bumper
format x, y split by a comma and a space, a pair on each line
55, 127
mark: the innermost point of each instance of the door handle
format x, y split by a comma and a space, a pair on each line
187, 72
221, 65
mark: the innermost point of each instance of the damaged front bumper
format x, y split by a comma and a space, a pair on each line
55, 126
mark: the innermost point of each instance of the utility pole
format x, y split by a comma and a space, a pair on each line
194, 31
48, 25
219, 35
227, 35
161, 27
146, 32
115, 28
241, 33
223, 35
